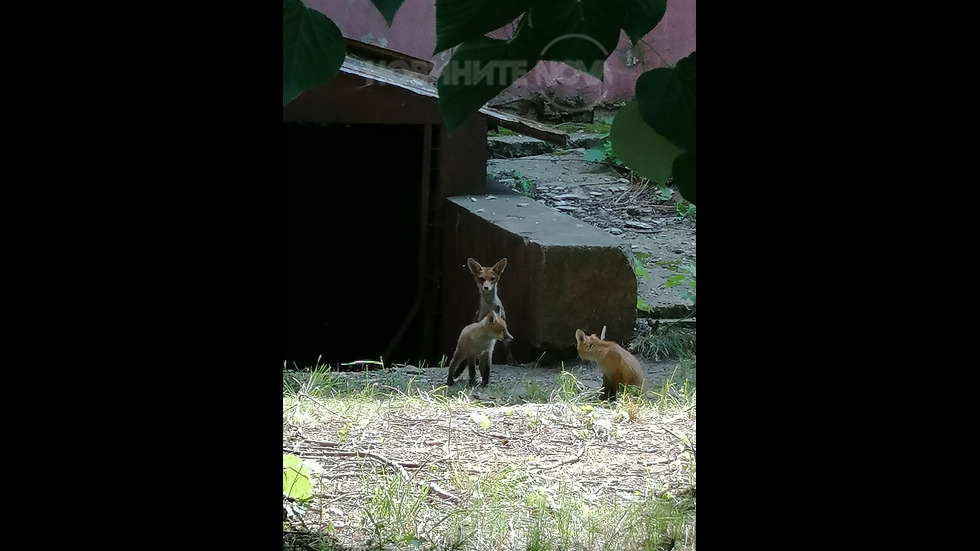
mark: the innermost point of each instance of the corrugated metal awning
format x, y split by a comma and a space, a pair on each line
424, 85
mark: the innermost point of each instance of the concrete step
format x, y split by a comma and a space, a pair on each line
562, 275
511, 147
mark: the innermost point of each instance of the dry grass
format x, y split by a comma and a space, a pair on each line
400, 466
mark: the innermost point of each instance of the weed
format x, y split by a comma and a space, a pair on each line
343, 432
600, 127
535, 392
568, 386
317, 381
630, 404
667, 341
639, 264
523, 185
670, 263
501, 131
639, 268
602, 153
687, 211
688, 273
394, 509
680, 389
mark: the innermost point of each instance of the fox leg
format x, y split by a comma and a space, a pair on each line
472, 365
485, 367
608, 388
454, 367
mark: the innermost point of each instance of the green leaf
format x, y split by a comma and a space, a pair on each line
642, 305
685, 176
313, 49
388, 8
668, 101
580, 33
595, 154
639, 147
460, 21
674, 280
478, 71
480, 419
640, 269
642, 16
295, 478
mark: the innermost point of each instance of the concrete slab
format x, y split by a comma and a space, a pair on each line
600, 196
562, 275
509, 147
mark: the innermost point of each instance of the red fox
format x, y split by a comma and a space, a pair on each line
486, 281
475, 344
618, 366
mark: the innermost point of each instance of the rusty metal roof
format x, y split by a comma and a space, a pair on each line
401, 75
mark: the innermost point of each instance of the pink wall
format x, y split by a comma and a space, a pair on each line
413, 32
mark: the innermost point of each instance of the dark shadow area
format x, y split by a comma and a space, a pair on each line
351, 212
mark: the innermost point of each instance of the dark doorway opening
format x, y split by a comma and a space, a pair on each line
351, 216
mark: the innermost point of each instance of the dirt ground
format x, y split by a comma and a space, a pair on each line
517, 429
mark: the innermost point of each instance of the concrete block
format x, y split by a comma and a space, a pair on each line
562, 274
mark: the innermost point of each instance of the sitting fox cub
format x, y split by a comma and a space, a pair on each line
486, 281
475, 344
618, 366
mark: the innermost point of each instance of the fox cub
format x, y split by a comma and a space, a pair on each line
618, 366
475, 344
486, 281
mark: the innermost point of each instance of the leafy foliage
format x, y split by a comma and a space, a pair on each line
689, 275
602, 152
642, 16
295, 478
580, 33
457, 21
640, 147
387, 8
654, 134
667, 98
667, 101
685, 210
313, 49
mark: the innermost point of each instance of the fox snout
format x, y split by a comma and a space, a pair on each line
507, 336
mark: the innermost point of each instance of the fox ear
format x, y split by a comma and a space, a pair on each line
499, 266
579, 335
602, 336
491, 317
473, 265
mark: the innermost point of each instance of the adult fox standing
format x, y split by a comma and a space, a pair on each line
486, 281
618, 366
475, 345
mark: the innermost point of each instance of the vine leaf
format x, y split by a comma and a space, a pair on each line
478, 71
295, 478
685, 175
668, 101
459, 21
642, 16
580, 33
640, 147
313, 49
388, 9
